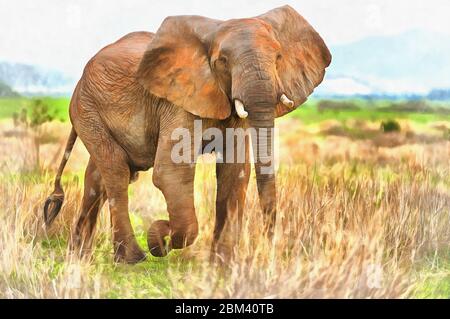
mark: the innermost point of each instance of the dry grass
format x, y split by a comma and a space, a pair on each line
356, 220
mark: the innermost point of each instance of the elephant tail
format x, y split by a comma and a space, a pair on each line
54, 202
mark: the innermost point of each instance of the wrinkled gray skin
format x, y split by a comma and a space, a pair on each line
135, 92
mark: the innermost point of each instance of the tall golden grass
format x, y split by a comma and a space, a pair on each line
350, 226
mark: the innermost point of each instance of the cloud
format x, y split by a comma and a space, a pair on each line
343, 86
66, 34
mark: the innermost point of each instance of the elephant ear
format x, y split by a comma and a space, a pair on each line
304, 55
176, 67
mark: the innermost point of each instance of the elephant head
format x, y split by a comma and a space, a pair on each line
262, 67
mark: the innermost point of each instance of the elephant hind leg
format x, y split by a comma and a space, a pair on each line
116, 176
112, 163
93, 199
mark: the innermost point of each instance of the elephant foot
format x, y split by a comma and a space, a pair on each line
158, 238
129, 253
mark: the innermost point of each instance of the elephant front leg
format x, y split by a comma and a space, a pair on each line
232, 182
176, 181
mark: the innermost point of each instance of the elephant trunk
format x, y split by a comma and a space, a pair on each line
263, 152
258, 94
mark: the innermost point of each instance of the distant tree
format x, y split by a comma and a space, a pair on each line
39, 114
411, 106
336, 105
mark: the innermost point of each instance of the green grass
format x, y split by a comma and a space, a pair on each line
369, 111
308, 112
150, 278
57, 105
153, 278
434, 277
156, 276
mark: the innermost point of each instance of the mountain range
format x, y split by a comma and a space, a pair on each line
6, 91
29, 79
412, 63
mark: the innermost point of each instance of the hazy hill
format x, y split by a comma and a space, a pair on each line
30, 79
411, 62
6, 91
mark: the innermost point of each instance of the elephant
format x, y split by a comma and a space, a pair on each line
133, 94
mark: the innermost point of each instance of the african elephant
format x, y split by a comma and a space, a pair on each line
240, 73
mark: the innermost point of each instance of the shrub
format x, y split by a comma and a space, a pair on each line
390, 126
411, 106
446, 134
34, 120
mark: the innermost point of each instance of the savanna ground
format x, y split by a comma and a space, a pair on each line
362, 214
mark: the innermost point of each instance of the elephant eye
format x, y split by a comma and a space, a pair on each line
223, 59
221, 63
279, 56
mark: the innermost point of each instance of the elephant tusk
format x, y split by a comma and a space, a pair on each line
286, 101
240, 110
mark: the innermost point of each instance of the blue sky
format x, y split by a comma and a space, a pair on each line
64, 34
